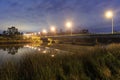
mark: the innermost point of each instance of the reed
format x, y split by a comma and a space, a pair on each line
86, 63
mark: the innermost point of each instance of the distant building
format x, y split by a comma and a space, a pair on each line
84, 31
28, 34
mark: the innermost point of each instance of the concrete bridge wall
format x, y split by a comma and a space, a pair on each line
84, 39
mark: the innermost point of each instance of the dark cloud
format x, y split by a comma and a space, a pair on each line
14, 4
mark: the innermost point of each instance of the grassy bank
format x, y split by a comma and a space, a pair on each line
87, 63
19, 39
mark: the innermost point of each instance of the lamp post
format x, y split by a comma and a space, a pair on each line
53, 29
39, 33
44, 31
109, 14
69, 25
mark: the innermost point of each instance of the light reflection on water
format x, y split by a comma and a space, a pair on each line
16, 52
45, 50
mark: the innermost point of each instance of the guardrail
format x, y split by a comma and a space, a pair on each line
84, 38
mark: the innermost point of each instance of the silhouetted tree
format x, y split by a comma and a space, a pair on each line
13, 33
4, 32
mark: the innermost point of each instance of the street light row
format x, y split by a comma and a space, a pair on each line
108, 14
69, 24
53, 28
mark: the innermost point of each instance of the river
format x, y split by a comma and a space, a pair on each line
16, 52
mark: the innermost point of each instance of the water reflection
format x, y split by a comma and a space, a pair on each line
46, 50
41, 49
17, 52
11, 49
21, 49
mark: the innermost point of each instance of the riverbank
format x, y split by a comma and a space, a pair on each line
86, 63
14, 41
19, 39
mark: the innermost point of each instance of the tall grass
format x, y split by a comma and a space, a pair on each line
95, 63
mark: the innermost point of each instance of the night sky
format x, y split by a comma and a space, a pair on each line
35, 15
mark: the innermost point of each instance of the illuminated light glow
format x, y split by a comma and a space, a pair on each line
52, 29
69, 24
26, 34
32, 34
44, 51
109, 14
57, 49
47, 47
27, 46
39, 33
44, 31
52, 55
39, 49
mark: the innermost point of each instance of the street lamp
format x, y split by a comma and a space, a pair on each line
69, 25
109, 14
52, 29
44, 31
39, 33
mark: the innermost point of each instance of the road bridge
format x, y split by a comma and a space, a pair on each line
83, 38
